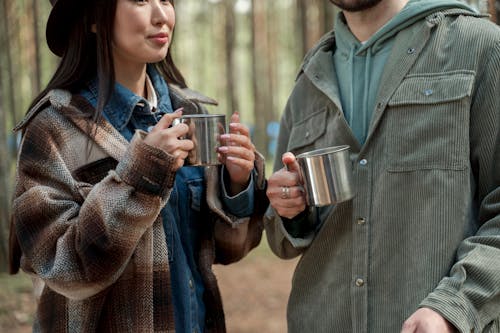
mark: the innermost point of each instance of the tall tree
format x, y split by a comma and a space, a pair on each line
230, 36
4, 185
4, 155
494, 10
301, 25
36, 45
261, 81
8, 13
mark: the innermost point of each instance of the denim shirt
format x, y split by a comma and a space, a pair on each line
183, 214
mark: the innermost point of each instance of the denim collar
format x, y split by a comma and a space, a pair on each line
123, 102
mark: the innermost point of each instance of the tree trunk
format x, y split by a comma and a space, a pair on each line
232, 100
302, 25
271, 64
494, 10
36, 40
4, 202
260, 74
8, 56
4, 185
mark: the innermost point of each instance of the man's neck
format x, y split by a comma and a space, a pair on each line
364, 24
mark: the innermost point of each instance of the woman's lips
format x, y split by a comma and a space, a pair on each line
160, 38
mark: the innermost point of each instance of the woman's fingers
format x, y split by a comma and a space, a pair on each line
238, 152
167, 120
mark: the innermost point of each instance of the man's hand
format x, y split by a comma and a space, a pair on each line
284, 188
425, 320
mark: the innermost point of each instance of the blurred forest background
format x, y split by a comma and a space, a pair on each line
243, 53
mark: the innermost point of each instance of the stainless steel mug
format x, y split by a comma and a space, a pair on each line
327, 175
205, 131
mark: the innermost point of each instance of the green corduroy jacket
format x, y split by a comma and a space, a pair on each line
424, 227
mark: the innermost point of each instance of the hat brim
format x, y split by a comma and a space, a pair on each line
60, 23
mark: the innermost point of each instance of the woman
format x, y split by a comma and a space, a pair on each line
119, 235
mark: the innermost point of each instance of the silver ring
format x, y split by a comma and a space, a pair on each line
285, 192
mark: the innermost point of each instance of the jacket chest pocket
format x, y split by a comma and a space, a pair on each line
92, 173
428, 122
305, 134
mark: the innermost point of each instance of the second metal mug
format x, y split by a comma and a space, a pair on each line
205, 131
327, 175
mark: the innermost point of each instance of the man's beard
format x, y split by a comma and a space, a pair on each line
355, 5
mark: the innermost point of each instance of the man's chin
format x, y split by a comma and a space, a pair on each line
355, 5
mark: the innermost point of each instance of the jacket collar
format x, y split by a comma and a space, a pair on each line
123, 102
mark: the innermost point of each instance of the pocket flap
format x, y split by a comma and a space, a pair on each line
432, 89
308, 130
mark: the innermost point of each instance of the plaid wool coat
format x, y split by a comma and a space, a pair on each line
86, 223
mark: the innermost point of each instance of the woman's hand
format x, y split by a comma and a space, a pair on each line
166, 137
237, 154
284, 189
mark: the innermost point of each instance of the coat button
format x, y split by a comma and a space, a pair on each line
428, 92
360, 282
363, 162
308, 134
361, 221
411, 50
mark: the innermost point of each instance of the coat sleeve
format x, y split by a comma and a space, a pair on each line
76, 237
235, 236
470, 296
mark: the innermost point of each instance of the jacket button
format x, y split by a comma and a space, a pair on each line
361, 221
307, 134
411, 50
360, 282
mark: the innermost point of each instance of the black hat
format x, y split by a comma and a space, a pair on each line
62, 17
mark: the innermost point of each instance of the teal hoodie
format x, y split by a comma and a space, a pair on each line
359, 66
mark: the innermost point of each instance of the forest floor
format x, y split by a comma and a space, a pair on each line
254, 292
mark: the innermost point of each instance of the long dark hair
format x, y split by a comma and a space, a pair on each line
89, 54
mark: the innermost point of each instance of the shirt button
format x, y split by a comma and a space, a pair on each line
360, 282
361, 221
363, 162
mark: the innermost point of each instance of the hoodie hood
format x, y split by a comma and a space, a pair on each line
359, 65
414, 10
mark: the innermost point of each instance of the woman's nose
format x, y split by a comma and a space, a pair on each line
160, 13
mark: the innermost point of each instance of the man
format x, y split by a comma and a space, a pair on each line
413, 87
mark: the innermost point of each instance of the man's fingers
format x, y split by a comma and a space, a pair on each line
290, 162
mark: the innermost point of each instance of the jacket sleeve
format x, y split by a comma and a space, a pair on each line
76, 237
282, 241
235, 236
470, 296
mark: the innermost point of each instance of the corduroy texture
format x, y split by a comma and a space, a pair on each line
97, 249
424, 227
